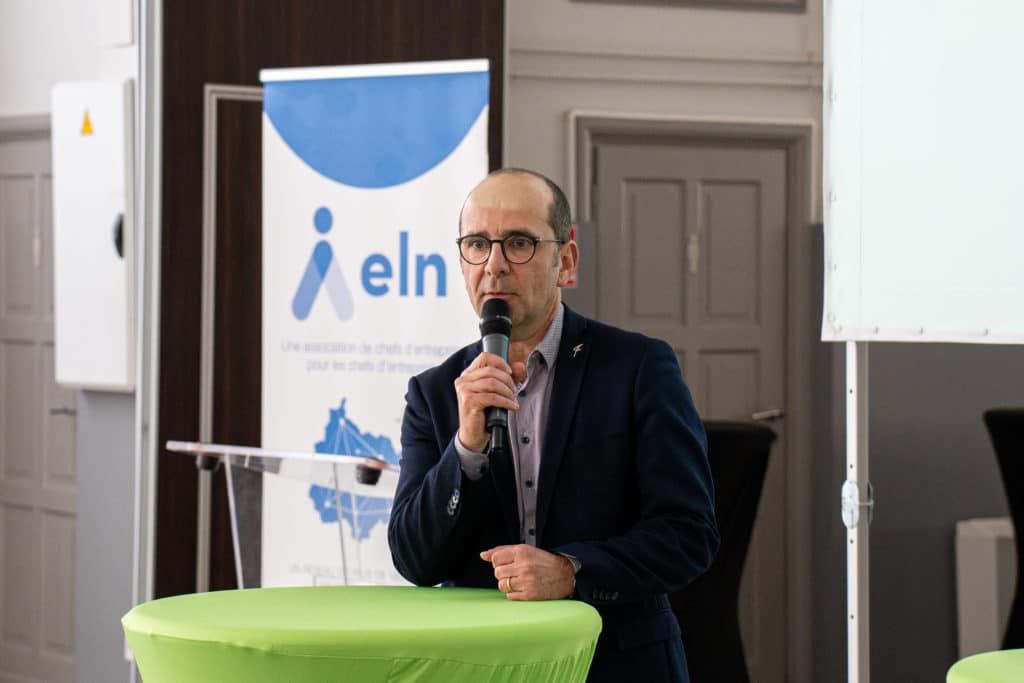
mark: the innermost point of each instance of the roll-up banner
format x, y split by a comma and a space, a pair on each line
365, 169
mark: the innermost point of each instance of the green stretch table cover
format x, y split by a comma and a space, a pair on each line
362, 634
1002, 666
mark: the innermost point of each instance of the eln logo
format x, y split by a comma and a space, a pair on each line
322, 271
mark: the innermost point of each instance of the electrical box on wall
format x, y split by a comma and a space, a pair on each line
94, 279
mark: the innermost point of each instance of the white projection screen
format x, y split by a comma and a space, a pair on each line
924, 171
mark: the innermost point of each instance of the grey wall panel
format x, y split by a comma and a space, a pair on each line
103, 546
931, 464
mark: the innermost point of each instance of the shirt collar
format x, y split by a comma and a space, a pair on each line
547, 350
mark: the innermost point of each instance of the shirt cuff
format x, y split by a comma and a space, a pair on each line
474, 463
576, 564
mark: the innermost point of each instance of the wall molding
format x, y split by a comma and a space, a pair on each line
793, 6
623, 66
24, 127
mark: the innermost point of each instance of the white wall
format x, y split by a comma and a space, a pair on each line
931, 462
43, 42
684, 62
657, 29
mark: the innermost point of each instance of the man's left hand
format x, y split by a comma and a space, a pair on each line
527, 573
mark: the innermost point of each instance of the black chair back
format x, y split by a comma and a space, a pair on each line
1006, 429
708, 609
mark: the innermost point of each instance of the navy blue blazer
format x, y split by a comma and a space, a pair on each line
624, 486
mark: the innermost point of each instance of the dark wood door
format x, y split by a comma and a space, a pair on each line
229, 41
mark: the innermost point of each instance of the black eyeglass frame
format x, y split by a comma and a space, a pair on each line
501, 242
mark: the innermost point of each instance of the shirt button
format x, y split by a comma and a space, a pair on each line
522, 392
525, 438
529, 483
531, 532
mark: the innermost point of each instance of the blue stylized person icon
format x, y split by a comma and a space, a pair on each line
322, 271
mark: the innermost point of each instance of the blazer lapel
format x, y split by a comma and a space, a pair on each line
501, 469
573, 353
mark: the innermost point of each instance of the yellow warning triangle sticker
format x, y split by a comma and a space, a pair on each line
86, 124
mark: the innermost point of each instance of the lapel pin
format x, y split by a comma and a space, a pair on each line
576, 349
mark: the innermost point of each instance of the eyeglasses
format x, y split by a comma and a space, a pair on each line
517, 249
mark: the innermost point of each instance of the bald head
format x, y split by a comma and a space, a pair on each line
523, 190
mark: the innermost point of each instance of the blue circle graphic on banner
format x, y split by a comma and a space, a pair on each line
323, 220
376, 132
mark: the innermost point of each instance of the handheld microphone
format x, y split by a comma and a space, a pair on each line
495, 330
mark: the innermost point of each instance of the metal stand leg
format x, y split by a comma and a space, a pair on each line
341, 525
857, 505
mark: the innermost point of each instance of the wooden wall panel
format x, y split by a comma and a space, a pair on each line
229, 41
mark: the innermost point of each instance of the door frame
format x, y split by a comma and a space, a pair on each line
37, 127
797, 137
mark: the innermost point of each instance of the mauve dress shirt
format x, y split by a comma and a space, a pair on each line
526, 429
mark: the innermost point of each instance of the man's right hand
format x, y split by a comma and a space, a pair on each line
487, 382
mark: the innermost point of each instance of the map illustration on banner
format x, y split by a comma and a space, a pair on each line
365, 169
363, 513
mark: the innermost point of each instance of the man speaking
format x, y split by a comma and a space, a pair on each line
601, 491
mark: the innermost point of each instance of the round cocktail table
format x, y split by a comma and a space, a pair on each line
361, 633
1001, 666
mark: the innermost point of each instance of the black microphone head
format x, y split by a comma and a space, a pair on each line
495, 318
366, 474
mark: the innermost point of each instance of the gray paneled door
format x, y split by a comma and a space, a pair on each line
692, 249
37, 433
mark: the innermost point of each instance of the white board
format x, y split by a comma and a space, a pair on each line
924, 185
